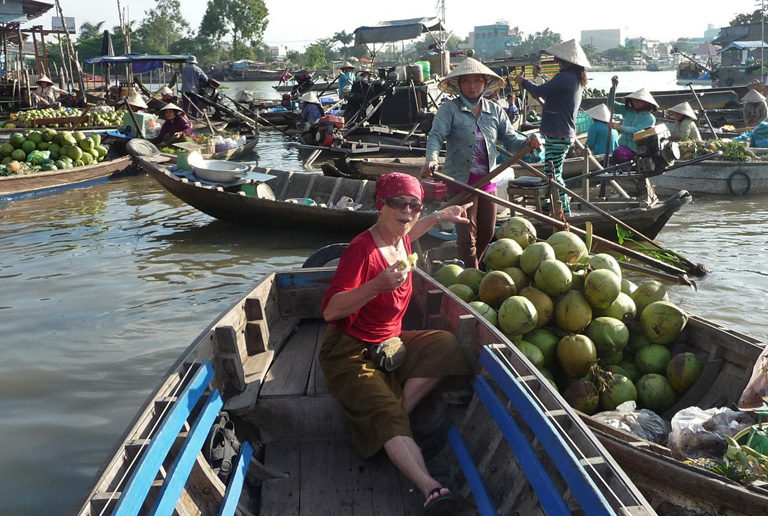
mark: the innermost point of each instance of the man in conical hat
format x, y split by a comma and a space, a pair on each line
601, 138
46, 94
562, 97
470, 125
755, 108
685, 126
637, 110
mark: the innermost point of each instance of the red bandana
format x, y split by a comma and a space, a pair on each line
394, 185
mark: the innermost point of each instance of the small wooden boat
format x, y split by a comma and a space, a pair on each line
675, 487
717, 177
711, 98
521, 449
13, 187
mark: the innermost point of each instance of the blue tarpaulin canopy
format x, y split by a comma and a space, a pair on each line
741, 45
140, 63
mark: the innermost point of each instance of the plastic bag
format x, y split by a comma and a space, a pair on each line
36, 157
643, 423
346, 203
698, 433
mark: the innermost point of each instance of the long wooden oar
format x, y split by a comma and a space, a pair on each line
665, 267
704, 111
692, 267
463, 196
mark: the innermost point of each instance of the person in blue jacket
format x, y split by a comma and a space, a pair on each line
638, 110
471, 125
562, 97
346, 79
600, 138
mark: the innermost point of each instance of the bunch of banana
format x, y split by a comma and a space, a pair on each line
408, 263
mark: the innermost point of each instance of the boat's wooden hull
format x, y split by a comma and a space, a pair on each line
714, 98
717, 177
12, 186
264, 350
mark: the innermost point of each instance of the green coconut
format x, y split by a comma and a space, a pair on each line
518, 276
576, 354
573, 312
545, 308
486, 311
662, 322
683, 371
546, 373
547, 342
615, 369
447, 274
471, 277
553, 277
517, 316
568, 247
495, 287
627, 287
648, 292
583, 396
502, 253
518, 229
622, 308
655, 393
637, 341
609, 335
605, 261
609, 360
618, 390
531, 352
601, 288
533, 255
464, 292
632, 372
653, 359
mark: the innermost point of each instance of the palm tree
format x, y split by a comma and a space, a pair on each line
90, 30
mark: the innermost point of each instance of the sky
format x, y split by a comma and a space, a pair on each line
297, 24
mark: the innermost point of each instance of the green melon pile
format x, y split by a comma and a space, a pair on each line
92, 118
575, 310
48, 149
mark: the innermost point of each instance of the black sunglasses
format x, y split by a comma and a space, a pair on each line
399, 204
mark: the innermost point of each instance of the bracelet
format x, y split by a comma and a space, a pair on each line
437, 214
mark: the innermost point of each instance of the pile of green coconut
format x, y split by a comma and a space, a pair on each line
600, 339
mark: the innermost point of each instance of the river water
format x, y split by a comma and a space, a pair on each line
102, 287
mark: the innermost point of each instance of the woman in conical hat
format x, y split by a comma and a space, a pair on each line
46, 93
637, 110
347, 77
136, 103
685, 126
599, 134
470, 126
176, 127
562, 97
755, 108
311, 110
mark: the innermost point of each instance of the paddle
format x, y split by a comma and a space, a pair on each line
82, 116
607, 157
329, 85
207, 120
665, 267
257, 115
139, 130
703, 111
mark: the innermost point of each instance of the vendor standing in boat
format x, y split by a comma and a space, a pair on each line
601, 138
346, 79
685, 125
638, 109
365, 305
755, 108
470, 126
191, 78
562, 98
47, 94
176, 127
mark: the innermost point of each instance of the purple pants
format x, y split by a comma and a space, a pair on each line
622, 154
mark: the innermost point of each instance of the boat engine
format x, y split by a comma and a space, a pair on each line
329, 128
210, 89
655, 151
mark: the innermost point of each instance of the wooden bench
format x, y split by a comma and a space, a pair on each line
134, 498
554, 499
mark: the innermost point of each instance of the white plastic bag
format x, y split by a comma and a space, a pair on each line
698, 433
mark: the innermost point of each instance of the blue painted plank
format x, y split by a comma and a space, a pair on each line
304, 279
135, 491
549, 497
483, 499
589, 496
236, 481
182, 466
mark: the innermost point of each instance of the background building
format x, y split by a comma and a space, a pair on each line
494, 41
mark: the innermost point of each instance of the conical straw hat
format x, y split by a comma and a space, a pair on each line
172, 107
753, 96
450, 83
348, 65
684, 109
165, 90
137, 101
310, 97
570, 51
44, 78
599, 112
643, 94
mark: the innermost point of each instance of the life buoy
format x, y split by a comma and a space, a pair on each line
327, 256
737, 175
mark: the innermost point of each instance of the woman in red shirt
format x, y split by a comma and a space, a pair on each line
365, 304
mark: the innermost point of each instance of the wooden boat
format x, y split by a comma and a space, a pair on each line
711, 98
675, 487
717, 177
12, 187
262, 357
